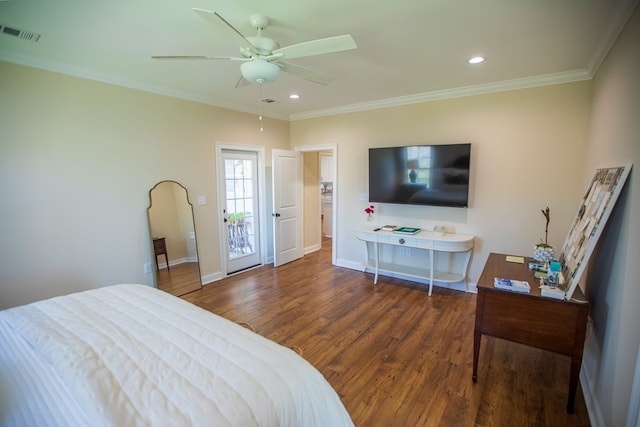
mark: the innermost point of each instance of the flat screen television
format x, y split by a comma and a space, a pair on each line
434, 175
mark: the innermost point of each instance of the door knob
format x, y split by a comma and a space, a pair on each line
275, 215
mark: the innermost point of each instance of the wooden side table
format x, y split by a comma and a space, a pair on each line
530, 319
160, 248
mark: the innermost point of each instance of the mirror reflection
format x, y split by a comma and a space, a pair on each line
173, 236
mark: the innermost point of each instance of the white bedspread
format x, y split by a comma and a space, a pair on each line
130, 355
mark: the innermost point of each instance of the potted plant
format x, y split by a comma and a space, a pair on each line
543, 252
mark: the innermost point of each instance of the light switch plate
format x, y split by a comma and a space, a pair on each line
202, 200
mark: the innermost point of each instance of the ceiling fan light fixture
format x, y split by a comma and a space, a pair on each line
259, 71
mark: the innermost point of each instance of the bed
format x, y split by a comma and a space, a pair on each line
128, 355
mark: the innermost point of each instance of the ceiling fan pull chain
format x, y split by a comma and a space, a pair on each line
260, 109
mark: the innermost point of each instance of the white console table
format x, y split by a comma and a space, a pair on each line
428, 240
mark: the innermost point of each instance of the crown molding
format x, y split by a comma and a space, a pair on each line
65, 69
506, 85
529, 82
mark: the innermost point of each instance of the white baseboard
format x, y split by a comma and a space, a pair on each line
349, 264
593, 409
177, 262
312, 248
210, 278
590, 361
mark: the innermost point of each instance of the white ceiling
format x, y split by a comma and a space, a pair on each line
408, 50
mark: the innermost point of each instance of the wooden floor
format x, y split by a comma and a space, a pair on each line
179, 279
396, 356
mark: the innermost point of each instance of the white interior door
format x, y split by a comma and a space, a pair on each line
287, 206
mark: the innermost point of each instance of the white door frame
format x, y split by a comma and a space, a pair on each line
259, 151
333, 148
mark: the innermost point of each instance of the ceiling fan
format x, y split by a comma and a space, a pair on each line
263, 58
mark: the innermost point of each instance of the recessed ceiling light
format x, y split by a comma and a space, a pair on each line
294, 96
476, 60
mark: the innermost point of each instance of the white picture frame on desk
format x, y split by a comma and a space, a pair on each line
592, 216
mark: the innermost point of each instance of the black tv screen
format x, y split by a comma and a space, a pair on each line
435, 175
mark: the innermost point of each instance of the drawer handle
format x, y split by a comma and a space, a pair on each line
401, 241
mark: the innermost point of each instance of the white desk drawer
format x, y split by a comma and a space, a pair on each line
402, 240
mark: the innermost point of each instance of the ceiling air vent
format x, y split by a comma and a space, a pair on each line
268, 100
21, 34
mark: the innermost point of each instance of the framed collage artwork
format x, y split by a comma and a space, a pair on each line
591, 218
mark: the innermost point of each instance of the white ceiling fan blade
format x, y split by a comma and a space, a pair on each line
215, 19
180, 57
316, 47
305, 73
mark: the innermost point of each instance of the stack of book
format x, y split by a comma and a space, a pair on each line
511, 285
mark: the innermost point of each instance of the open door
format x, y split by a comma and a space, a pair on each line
287, 206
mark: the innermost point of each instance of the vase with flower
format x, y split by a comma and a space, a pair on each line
369, 211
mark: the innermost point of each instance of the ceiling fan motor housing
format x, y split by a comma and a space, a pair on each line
262, 45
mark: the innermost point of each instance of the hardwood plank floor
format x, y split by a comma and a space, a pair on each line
179, 279
396, 356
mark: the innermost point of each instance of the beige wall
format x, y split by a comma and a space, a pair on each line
171, 216
527, 153
77, 161
613, 286
164, 219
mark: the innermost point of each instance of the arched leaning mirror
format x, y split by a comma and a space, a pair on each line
173, 239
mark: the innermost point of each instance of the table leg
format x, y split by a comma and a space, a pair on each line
573, 383
477, 333
431, 271
477, 336
377, 256
465, 269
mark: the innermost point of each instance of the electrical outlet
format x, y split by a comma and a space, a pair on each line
147, 267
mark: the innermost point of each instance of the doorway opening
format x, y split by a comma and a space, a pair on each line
320, 197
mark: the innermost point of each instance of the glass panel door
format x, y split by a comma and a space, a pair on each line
242, 225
